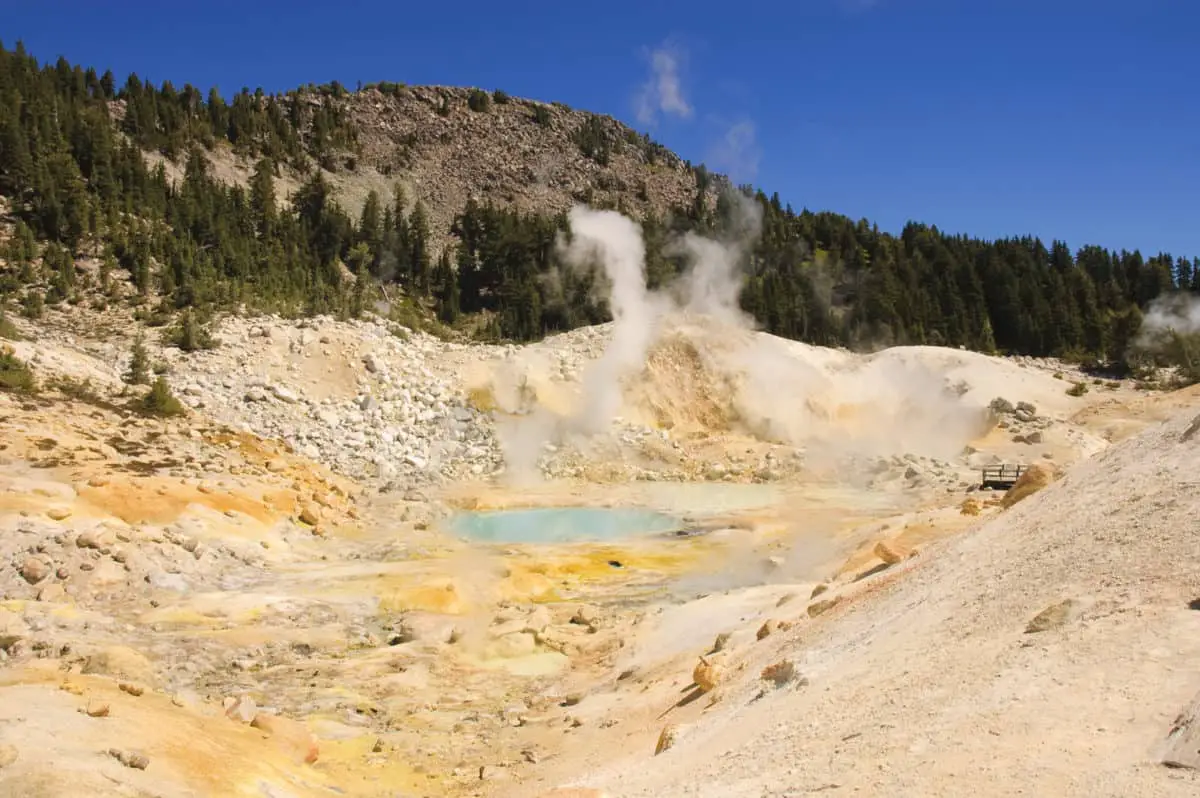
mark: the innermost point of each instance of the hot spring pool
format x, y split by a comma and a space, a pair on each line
561, 524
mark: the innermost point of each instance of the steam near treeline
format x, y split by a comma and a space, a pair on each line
79, 186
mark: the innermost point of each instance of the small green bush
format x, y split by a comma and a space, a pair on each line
159, 401
8, 329
1078, 389
478, 100
190, 335
15, 374
33, 305
81, 390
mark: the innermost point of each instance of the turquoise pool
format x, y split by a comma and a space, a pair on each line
561, 524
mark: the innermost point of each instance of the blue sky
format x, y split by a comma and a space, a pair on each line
1073, 119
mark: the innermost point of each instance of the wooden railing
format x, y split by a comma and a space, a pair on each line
1002, 476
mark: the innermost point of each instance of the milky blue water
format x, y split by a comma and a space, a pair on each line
561, 524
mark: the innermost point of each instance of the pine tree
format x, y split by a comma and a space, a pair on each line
190, 336
370, 226
359, 261
448, 294
262, 197
419, 263
139, 364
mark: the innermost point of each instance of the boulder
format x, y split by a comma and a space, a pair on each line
290, 736
241, 708
1053, 617
426, 627
121, 663
34, 570
892, 552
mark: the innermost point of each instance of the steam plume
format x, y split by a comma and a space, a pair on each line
1177, 311
614, 243
816, 399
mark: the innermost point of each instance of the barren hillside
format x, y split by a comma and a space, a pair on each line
516, 153
1048, 651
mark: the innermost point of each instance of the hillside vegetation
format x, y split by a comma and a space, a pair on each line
178, 199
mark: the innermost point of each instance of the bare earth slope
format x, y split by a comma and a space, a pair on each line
503, 155
262, 598
932, 684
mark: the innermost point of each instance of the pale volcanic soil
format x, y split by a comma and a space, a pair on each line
930, 681
263, 597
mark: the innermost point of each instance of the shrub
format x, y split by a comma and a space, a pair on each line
8, 329
81, 390
593, 140
541, 115
478, 100
159, 401
1078, 389
190, 335
33, 305
500, 97
15, 374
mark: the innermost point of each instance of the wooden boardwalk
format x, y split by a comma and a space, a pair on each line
1001, 477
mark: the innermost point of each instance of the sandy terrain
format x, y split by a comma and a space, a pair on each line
931, 681
262, 598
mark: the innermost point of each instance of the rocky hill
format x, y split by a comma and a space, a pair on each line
446, 145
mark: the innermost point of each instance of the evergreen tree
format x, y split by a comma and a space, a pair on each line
262, 197
449, 300
139, 364
420, 265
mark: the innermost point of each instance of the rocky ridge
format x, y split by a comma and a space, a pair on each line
503, 155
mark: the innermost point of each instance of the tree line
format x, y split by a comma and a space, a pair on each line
73, 168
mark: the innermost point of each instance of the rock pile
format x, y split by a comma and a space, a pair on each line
396, 416
1021, 419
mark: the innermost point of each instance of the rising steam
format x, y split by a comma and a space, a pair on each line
612, 242
1178, 312
820, 400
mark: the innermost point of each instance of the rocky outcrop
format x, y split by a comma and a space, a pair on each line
519, 153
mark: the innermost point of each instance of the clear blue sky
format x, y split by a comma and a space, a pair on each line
1075, 119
